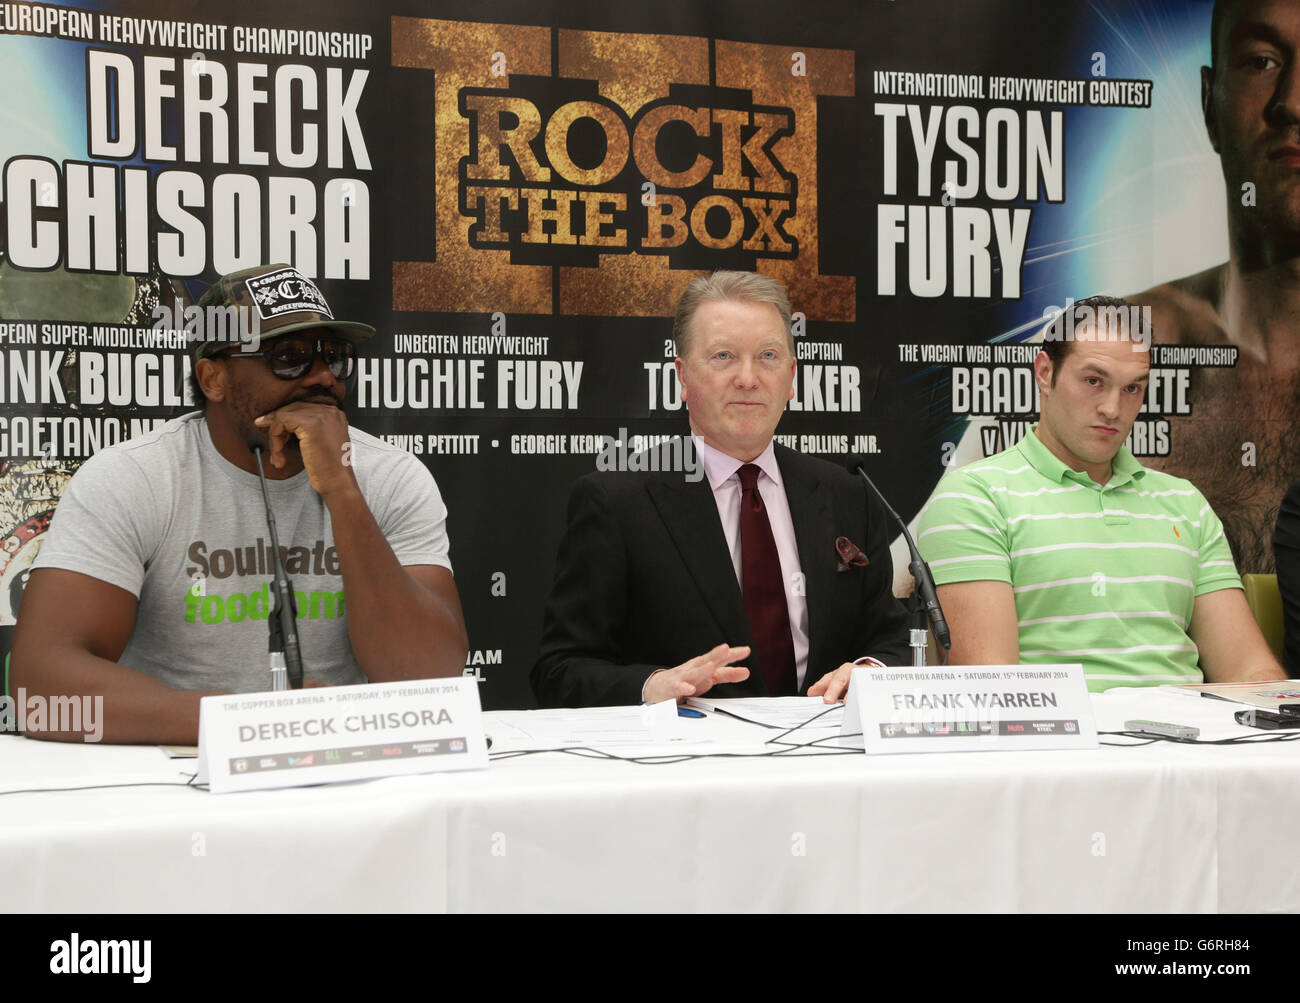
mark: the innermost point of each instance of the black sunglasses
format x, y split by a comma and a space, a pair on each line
291, 358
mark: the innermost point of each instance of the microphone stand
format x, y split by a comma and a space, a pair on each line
925, 601
285, 653
918, 635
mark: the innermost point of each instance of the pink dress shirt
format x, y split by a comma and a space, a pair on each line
721, 470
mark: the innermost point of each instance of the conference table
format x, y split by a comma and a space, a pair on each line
1157, 827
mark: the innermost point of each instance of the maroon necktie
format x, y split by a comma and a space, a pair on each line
764, 590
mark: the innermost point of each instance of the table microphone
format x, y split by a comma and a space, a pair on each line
920, 570
285, 651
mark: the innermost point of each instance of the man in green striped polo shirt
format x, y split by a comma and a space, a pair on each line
1065, 548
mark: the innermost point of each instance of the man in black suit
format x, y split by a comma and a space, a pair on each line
779, 554
1286, 551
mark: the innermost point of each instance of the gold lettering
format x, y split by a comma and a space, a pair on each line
668, 211
557, 143
647, 136
487, 109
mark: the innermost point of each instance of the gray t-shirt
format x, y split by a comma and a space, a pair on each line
167, 518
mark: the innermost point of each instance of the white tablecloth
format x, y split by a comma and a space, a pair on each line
1156, 828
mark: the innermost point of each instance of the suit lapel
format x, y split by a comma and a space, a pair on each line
691, 516
814, 532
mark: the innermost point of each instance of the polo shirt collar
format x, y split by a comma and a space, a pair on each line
720, 467
1123, 468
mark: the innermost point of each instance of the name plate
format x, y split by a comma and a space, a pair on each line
975, 708
254, 741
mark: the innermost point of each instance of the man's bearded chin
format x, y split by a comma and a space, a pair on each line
1277, 195
324, 398
1272, 224
1284, 218
248, 410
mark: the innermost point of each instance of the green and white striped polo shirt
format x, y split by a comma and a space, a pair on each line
1105, 574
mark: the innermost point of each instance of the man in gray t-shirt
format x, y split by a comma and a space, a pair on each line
152, 587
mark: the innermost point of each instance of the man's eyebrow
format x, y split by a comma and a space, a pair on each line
1092, 368
1257, 31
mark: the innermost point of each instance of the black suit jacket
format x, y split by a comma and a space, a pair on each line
1286, 552
644, 581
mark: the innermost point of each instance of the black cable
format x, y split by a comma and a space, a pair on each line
817, 749
1235, 740
106, 787
816, 743
669, 759
586, 752
804, 724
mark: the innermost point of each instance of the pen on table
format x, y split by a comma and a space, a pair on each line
688, 712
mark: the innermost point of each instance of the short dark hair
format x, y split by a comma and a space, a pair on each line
1218, 15
1058, 335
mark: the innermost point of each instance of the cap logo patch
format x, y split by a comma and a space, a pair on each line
286, 291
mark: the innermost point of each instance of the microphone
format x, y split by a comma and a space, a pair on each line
286, 655
920, 570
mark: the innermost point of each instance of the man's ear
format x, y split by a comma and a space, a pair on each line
680, 366
1043, 372
1207, 106
794, 365
212, 378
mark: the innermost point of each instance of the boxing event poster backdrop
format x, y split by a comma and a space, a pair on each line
515, 194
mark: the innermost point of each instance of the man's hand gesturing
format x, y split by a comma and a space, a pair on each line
698, 676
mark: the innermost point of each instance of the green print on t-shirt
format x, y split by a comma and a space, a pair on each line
240, 606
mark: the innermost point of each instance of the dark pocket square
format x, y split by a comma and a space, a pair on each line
850, 555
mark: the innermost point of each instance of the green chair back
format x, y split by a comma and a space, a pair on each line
1266, 603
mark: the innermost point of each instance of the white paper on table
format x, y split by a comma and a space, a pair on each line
594, 727
775, 712
1267, 694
